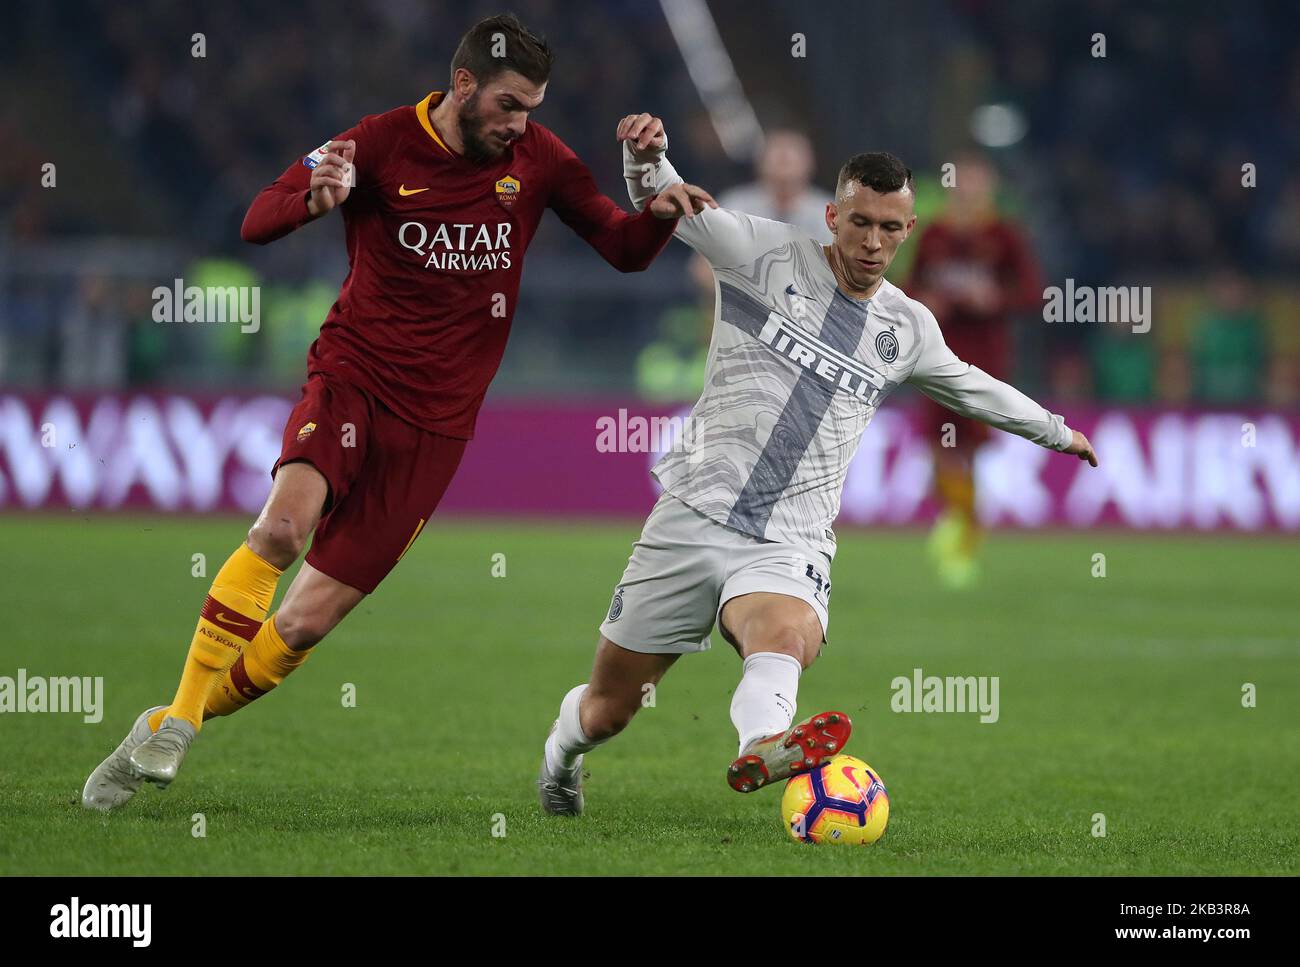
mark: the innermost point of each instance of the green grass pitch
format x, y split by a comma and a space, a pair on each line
1119, 695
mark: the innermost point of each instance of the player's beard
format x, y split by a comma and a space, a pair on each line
478, 148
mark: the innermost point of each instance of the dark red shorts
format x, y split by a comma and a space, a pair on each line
385, 478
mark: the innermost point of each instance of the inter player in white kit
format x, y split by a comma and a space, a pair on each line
808, 339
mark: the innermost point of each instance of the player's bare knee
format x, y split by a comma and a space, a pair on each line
278, 540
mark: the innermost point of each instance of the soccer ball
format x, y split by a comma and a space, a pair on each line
842, 802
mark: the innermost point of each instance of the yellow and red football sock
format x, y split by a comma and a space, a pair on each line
234, 612
264, 664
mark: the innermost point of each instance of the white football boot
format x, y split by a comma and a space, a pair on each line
159, 757
560, 790
113, 782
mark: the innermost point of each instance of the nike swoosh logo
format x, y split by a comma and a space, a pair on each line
872, 790
848, 774
403, 190
226, 619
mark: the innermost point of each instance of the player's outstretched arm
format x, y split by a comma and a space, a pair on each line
627, 242
644, 141
645, 167
301, 194
970, 391
725, 238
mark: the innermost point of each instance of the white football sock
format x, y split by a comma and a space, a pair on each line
568, 741
764, 703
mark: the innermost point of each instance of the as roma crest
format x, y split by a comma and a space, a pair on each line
507, 190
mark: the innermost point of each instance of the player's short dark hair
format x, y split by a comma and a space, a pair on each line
500, 44
878, 170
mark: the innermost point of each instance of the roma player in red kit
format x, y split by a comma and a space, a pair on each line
440, 201
974, 269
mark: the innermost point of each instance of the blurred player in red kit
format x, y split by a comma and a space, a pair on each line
440, 201
975, 270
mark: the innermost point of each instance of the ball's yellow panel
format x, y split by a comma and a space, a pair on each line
843, 802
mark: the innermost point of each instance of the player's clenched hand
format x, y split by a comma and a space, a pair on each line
681, 199
644, 132
329, 186
1082, 448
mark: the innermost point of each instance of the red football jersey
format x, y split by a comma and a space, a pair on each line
994, 255
435, 248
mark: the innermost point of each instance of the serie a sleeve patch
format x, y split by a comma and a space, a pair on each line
317, 156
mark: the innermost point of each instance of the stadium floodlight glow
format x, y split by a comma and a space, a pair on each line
998, 125
714, 76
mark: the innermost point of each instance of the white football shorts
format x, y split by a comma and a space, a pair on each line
686, 566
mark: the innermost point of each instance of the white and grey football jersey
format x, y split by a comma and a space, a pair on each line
796, 370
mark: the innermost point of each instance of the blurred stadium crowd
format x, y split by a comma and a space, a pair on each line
1120, 170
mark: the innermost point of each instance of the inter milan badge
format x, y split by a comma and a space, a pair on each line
887, 345
616, 606
508, 190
